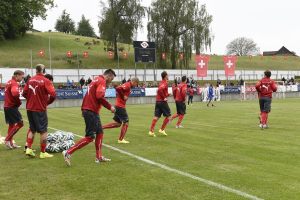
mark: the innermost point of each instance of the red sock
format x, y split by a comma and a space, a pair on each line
43, 147
153, 124
111, 125
98, 145
123, 131
267, 115
166, 121
81, 143
263, 118
180, 120
29, 142
12, 130
174, 116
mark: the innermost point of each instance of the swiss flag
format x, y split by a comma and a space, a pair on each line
181, 56
69, 54
110, 54
163, 56
85, 54
229, 64
202, 65
125, 55
41, 53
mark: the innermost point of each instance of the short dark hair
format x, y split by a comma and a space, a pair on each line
110, 71
49, 77
18, 72
183, 78
40, 68
164, 74
268, 73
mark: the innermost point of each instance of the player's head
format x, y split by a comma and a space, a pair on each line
40, 69
135, 81
183, 79
109, 75
268, 73
49, 77
164, 76
19, 75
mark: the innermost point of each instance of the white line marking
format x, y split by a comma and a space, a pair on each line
176, 171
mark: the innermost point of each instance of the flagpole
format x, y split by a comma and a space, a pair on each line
78, 66
31, 62
50, 63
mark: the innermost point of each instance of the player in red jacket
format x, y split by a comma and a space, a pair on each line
121, 116
265, 87
191, 93
91, 105
174, 89
161, 106
12, 103
180, 102
39, 93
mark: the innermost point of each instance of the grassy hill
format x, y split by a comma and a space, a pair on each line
16, 53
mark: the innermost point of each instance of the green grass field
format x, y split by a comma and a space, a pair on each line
221, 144
16, 53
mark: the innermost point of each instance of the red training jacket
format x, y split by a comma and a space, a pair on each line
122, 91
162, 91
265, 87
174, 90
95, 96
191, 91
39, 92
181, 92
12, 94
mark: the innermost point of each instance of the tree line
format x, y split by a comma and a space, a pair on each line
177, 26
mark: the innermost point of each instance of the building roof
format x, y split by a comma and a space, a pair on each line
282, 51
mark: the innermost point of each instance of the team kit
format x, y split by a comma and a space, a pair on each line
39, 92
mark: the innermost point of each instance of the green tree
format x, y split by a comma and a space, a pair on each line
17, 16
119, 21
84, 28
242, 47
179, 26
64, 23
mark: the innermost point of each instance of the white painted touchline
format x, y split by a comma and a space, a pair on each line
176, 171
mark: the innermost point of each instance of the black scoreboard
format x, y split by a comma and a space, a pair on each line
144, 51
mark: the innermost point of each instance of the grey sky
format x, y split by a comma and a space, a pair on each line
271, 24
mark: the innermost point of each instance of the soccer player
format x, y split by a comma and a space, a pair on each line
39, 93
121, 116
50, 78
174, 89
191, 94
180, 102
161, 106
210, 95
12, 103
265, 87
91, 105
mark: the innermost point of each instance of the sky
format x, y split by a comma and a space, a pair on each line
271, 24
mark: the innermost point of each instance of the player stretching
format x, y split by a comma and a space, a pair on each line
39, 93
180, 102
161, 106
12, 103
265, 87
91, 105
121, 116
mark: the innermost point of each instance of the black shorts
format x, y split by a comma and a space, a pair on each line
121, 115
38, 121
92, 123
162, 107
265, 104
12, 115
181, 108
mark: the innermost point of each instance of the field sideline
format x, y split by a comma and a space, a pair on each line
221, 144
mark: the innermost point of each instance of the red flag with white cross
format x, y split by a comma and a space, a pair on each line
202, 65
229, 65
